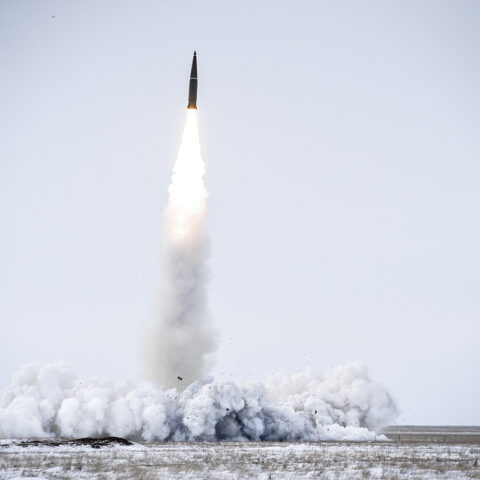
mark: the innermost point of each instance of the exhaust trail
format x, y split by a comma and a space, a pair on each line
50, 401
182, 337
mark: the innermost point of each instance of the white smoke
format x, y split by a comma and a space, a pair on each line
48, 400
181, 337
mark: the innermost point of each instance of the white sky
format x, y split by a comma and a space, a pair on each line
342, 148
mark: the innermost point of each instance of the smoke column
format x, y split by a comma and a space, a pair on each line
181, 336
50, 401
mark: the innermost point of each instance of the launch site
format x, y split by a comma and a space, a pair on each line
239, 240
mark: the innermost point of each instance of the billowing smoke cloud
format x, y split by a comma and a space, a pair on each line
49, 400
181, 337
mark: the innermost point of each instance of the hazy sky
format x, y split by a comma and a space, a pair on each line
342, 143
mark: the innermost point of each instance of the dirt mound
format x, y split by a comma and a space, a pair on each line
92, 442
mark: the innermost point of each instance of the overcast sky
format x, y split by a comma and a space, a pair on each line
342, 147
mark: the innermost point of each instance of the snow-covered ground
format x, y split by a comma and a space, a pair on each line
385, 460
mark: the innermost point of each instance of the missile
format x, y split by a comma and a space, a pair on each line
192, 88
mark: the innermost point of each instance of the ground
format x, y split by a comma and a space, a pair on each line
444, 457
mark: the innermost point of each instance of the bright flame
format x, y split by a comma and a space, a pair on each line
187, 192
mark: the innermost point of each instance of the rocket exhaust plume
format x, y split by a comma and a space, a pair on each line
50, 401
182, 336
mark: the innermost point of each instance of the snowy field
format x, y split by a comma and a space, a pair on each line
330, 460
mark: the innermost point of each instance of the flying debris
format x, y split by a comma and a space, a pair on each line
192, 89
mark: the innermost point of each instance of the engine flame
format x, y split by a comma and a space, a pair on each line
187, 192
